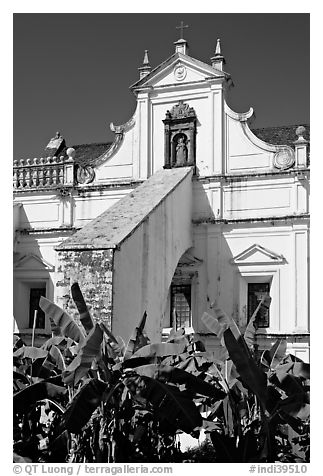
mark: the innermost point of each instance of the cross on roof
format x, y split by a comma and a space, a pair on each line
181, 27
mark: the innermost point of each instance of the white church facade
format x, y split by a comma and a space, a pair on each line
188, 205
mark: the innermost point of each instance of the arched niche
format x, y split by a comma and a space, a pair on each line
180, 136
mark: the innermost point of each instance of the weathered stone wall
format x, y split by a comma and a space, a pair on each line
92, 269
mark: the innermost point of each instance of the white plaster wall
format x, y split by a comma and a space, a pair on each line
145, 264
39, 210
168, 77
200, 101
142, 152
241, 153
226, 282
89, 206
250, 198
48, 210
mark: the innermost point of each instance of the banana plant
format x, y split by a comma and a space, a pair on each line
116, 395
262, 397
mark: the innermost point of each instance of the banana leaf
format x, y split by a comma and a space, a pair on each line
20, 459
295, 406
30, 353
85, 401
171, 405
68, 326
287, 382
82, 308
56, 357
301, 370
177, 376
159, 350
251, 329
55, 328
59, 341
36, 392
250, 333
174, 335
270, 358
297, 369
138, 339
114, 344
251, 375
213, 324
20, 381
225, 321
133, 363
87, 353
17, 342
218, 325
195, 364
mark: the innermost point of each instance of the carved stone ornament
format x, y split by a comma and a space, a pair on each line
181, 110
85, 174
284, 159
180, 72
180, 136
55, 145
118, 140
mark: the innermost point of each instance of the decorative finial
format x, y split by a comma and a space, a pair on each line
70, 153
146, 59
300, 131
218, 47
218, 60
145, 68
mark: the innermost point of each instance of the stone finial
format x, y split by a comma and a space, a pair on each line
301, 145
146, 59
145, 68
218, 47
71, 153
300, 131
218, 60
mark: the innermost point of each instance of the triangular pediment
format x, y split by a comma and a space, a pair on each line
179, 69
32, 262
189, 260
257, 254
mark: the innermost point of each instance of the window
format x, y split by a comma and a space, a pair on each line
34, 297
256, 291
180, 309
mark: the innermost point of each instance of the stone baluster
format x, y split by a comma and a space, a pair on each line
61, 170
41, 175
28, 177
15, 174
54, 170
35, 173
21, 173
48, 172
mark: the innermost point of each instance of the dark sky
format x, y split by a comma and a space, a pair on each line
72, 72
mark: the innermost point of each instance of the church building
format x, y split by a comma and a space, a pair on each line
186, 206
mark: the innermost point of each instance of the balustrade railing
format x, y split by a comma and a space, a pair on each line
43, 172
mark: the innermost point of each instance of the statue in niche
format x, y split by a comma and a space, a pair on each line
181, 152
